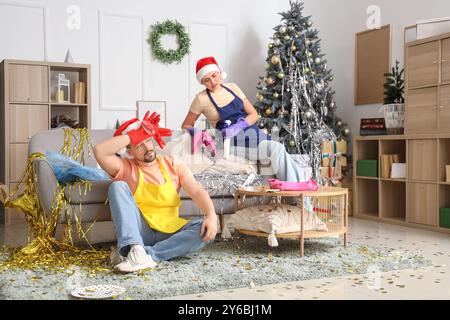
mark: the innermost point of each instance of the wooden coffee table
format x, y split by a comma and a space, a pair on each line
335, 216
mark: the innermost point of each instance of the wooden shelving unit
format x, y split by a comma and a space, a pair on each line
27, 105
414, 201
425, 147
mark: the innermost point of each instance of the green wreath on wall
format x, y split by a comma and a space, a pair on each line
169, 27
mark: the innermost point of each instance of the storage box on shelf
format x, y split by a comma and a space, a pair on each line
444, 218
28, 104
367, 168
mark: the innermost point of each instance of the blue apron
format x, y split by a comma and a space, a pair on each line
233, 111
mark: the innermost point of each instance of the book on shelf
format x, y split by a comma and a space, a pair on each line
372, 127
372, 132
386, 161
80, 92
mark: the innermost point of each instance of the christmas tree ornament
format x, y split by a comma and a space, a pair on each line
292, 143
261, 125
308, 115
309, 23
270, 45
275, 59
270, 81
291, 28
287, 38
275, 95
283, 29
317, 60
277, 42
339, 123
309, 54
293, 48
280, 75
267, 66
346, 132
268, 111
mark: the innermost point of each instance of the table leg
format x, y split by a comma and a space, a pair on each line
346, 218
302, 239
221, 221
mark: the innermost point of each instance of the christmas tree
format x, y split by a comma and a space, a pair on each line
394, 86
294, 97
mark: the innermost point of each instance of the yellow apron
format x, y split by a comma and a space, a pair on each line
159, 204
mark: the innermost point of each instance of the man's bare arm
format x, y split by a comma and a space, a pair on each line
105, 153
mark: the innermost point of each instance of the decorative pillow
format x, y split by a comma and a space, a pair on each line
275, 219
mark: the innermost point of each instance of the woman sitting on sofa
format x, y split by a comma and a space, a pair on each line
227, 109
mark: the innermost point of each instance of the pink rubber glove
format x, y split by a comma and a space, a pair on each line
200, 138
234, 129
309, 185
209, 143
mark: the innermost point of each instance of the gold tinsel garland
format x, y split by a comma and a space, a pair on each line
43, 251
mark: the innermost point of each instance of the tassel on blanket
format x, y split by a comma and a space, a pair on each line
226, 234
272, 240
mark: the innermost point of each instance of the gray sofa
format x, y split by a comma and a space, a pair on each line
93, 203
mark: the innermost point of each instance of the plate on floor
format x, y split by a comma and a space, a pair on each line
98, 292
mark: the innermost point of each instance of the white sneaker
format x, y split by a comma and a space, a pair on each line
136, 260
115, 257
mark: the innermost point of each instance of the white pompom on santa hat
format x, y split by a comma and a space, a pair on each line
207, 65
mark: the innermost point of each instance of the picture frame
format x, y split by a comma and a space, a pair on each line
372, 60
159, 106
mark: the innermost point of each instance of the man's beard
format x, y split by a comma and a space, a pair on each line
150, 156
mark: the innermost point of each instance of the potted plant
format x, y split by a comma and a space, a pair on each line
394, 102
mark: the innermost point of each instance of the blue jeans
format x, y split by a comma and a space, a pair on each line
283, 166
131, 228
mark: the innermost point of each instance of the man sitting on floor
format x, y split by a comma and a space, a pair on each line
144, 198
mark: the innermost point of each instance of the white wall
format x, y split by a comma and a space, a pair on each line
248, 24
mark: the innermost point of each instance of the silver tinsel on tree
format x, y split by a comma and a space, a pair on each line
315, 128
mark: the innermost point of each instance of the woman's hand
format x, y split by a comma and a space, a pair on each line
234, 129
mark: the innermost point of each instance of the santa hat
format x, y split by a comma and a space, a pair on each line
207, 65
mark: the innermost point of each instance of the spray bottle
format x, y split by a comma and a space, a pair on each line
226, 142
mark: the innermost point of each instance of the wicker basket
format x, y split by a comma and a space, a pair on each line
394, 115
